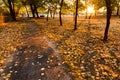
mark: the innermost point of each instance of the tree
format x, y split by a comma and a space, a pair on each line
51, 7
48, 14
117, 4
76, 13
97, 4
34, 5
24, 2
60, 12
109, 12
86, 6
11, 9
33, 8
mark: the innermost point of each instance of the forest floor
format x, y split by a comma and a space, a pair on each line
34, 49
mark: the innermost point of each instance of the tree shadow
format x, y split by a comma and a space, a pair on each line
91, 53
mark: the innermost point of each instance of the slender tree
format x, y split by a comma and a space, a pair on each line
118, 7
54, 11
35, 10
76, 14
26, 11
109, 12
50, 7
97, 5
32, 9
24, 3
60, 12
48, 14
86, 13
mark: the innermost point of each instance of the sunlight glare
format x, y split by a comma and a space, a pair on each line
90, 9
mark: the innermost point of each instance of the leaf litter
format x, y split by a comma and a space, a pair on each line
82, 50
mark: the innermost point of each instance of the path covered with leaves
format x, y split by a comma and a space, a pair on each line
31, 56
35, 42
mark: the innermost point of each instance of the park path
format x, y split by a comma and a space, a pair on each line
36, 59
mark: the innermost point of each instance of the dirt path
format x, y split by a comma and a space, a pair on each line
36, 60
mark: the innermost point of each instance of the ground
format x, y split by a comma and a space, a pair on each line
34, 49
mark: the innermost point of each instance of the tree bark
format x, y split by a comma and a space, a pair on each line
12, 11
60, 17
76, 14
35, 10
47, 14
109, 12
32, 9
118, 11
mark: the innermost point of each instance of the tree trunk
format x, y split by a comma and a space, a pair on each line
86, 9
54, 14
90, 16
109, 12
118, 11
61, 4
47, 14
26, 11
35, 10
86, 14
95, 13
32, 9
76, 13
12, 12
51, 13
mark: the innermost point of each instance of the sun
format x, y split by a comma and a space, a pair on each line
90, 9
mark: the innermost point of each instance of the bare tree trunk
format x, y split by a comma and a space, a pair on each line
86, 15
76, 14
51, 13
35, 10
47, 14
54, 13
32, 9
12, 11
118, 11
61, 4
86, 9
109, 12
90, 16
